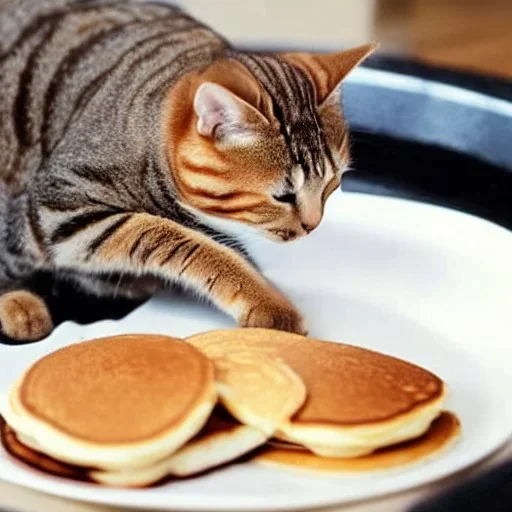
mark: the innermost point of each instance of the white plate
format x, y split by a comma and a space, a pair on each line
423, 283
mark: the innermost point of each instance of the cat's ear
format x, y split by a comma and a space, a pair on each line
327, 70
225, 117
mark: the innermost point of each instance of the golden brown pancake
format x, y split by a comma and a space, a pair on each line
118, 402
37, 460
444, 431
358, 399
221, 440
258, 390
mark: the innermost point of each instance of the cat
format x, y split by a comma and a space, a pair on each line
138, 148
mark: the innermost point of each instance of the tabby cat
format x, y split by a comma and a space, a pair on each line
138, 148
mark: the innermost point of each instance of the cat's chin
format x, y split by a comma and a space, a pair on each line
280, 239
283, 235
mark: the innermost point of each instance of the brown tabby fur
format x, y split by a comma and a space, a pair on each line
138, 148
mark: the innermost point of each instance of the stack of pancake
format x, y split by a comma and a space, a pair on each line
136, 409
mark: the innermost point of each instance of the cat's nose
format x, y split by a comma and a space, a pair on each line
310, 217
309, 226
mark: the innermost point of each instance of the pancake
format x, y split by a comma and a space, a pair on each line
443, 433
259, 391
113, 403
35, 459
358, 400
221, 440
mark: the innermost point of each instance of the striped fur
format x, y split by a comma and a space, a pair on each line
135, 141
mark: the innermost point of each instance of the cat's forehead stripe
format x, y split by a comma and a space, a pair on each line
292, 96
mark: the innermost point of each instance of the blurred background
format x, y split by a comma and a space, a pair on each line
471, 35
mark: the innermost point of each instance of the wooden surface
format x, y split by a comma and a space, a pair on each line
474, 35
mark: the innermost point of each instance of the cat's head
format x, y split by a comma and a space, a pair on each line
259, 140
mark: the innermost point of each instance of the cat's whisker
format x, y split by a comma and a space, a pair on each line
118, 285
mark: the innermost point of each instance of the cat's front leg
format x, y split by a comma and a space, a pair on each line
143, 243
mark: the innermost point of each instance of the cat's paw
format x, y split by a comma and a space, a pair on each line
278, 315
24, 316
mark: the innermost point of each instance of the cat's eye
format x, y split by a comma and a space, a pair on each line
286, 198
